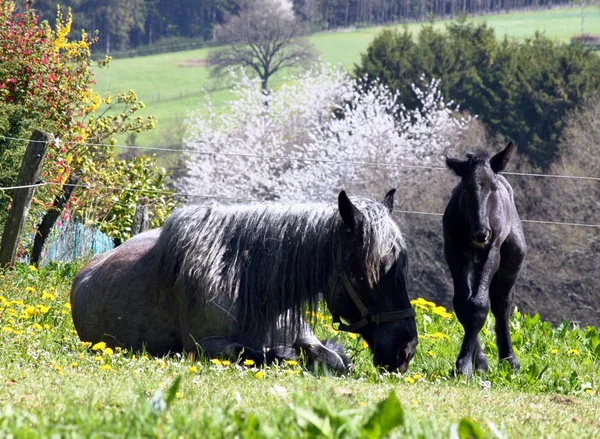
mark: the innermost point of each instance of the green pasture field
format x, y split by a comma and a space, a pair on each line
173, 84
52, 385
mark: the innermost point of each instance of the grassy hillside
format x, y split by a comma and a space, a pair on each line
54, 386
173, 84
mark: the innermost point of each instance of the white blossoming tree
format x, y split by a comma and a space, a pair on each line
319, 133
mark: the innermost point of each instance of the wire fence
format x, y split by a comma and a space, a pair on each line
188, 196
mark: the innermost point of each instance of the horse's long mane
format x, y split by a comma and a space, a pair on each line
269, 257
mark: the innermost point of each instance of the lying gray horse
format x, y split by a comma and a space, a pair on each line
235, 281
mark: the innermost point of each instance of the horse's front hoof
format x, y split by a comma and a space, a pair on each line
512, 362
481, 363
464, 366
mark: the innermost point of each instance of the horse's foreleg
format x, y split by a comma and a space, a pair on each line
502, 298
224, 347
470, 313
328, 353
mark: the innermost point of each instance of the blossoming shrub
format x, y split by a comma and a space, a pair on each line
46, 82
321, 132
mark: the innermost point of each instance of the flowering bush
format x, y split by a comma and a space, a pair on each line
321, 132
46, 82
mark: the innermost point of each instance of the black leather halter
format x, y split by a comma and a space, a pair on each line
365, 316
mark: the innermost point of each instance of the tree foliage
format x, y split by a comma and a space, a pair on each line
125, 24
519, 90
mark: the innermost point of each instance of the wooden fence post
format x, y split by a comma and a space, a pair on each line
140, 218
28, 175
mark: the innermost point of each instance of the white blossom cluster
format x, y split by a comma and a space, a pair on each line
320, 132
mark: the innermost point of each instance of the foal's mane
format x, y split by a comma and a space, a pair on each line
268, 257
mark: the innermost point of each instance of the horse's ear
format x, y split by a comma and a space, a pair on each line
499, 161
352, 217
388, 200
460, 167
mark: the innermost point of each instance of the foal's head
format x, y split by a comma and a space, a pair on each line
373, 267
479, 185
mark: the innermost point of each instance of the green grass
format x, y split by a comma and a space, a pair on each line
171, 90
54, 385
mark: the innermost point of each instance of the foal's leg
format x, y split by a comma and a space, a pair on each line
470, 312
502, 297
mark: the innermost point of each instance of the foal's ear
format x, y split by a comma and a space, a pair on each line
388, 200
352, 217
499, 161
460, 167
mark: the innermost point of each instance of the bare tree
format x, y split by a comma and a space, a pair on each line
265, 37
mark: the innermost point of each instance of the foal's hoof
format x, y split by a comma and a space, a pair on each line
512, 362
464, 366
481, 363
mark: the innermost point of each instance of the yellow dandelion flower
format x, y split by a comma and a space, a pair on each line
46, 326
32, 268
74, 364
106, 367
8, 329
226, 363
291, 362
260, 375
178, 395
248, 362
193, 369
216, 361
99, 358
431, 353
296, 372
365, 344
30, 290
47, 295
56, 367
100, 346
573, 351
417, 376
68, 305
144, 357
43, 309
30, 310
441, 311
589, 391
108, 351
409, 380
352, 335
555, 351
36, 326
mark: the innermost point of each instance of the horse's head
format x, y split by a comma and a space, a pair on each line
369, 291
479, 182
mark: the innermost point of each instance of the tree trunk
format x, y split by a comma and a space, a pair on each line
51, 216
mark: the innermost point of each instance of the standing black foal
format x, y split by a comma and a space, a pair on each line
484, 247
